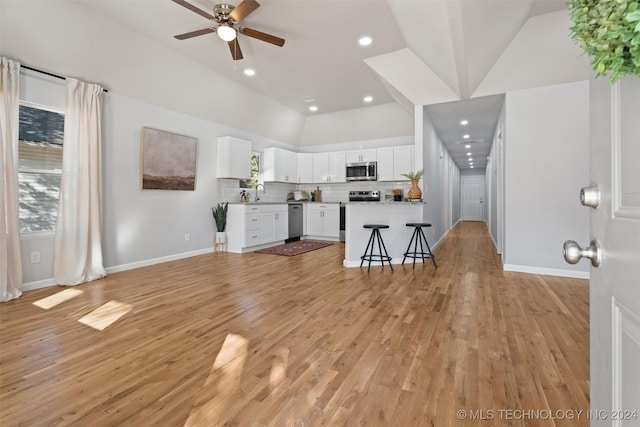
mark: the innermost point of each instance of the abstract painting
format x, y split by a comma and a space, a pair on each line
169, 160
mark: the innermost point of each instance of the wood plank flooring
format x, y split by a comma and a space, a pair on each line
264, 340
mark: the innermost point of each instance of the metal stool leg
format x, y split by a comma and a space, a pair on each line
409, 247
366, 249
386, 254
433, 257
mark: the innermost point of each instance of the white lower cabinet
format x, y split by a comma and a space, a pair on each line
250, 227
323, 220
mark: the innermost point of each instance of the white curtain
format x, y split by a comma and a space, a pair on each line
10, 263
78, 244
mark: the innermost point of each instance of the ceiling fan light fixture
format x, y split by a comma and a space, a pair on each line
226, 32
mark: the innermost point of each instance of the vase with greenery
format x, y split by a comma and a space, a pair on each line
414, 193
609, 32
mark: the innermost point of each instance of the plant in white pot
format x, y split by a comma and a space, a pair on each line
220, 217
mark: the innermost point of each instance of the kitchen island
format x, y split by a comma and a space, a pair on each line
396, 238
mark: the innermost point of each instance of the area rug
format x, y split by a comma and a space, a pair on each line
295, 248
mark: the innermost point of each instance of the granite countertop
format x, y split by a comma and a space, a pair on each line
386, 202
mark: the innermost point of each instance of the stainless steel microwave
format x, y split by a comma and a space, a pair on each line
362, 171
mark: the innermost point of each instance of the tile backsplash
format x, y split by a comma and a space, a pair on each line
331, 192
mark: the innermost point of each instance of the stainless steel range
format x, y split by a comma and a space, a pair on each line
364, 196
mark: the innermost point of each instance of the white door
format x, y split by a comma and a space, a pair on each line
615, 225
472, 198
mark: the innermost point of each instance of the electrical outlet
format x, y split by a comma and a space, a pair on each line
187, 237
35, 257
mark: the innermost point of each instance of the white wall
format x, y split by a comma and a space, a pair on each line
495, 189
367, 123
142, 227
546, 164
439, 176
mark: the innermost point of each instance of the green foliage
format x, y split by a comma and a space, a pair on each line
220, 216
413, 175
609, 32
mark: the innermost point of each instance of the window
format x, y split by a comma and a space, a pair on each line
41, 135
255, 172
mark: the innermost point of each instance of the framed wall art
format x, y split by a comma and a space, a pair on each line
169, 160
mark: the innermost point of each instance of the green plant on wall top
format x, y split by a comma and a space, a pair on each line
609, 32
220, 216
413, 176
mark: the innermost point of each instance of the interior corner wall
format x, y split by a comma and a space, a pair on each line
436, 182
546, 164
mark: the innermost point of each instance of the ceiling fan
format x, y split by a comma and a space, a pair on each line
225, 20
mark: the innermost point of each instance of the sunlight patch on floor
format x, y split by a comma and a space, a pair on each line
223, 381
278, 368
57, 298
105, 315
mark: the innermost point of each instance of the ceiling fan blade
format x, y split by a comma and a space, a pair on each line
194, 9
195, 33
262, 36
243, 10
234, 47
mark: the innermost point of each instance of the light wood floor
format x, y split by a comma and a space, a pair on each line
257, 340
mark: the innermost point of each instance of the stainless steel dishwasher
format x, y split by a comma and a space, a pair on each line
295, 221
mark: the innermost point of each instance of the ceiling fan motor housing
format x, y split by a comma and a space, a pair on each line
222, 11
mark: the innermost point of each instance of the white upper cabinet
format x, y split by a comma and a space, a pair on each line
385, 164
394, 161
280, 165
320, 167
233, 158
356, 156
329, 167
337, 167
305, 168
402, 161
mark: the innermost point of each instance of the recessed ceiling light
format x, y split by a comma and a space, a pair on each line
471, 166
367, 98
465, 136
249, 72
468, 154
470, 159
464, 122
467, 146
365, 41
313, 108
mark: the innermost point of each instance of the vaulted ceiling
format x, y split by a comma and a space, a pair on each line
424, 52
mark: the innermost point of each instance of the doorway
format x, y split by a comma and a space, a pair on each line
472, 198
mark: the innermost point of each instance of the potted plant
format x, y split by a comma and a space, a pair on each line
414, 192
609, 32
220, 217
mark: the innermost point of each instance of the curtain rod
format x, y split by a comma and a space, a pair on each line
49, 74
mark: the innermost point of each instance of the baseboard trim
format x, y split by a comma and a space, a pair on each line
46, 283
160, 260
547, 271
38, 284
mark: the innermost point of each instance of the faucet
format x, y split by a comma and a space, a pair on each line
257, 188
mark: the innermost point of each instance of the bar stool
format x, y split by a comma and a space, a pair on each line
375, 235
418, 236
